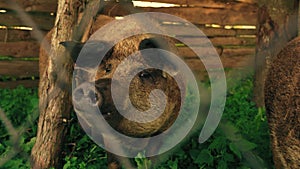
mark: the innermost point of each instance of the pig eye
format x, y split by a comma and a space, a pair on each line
145, 75
108, 68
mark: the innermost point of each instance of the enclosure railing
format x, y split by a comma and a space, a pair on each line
231, 27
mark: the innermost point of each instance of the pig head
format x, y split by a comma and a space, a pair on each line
96, 90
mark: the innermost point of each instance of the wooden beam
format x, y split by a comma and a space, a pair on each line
187, 30
25, 83
19, 68
195, 64
218, 32
244, 61
13, 35
33, 6
242, 15
232, 52
44, 21
201, 3
228, 62
187, 53
19, 49
246, 32
219, 41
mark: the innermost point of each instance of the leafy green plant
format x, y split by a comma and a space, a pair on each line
20, 106
81, 151
249, 120
142, 162
241, 141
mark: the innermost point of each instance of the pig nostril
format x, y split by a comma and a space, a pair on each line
78, 94
94, 97
88, 95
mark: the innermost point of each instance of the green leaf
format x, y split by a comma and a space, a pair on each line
173, 164
244, 145
82, 165
218, 143
180, 154
67, 165
204, 158
28, 146
222, 165
194, 153
142, 162
229, 157
235, 150
230, 131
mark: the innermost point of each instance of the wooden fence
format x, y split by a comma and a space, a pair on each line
230, 25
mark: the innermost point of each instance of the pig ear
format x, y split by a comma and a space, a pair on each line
160, 43
73, 47
149, 43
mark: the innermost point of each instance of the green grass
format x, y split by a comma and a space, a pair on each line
241, 141
10, 58
20, 107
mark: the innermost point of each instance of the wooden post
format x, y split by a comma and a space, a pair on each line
55, 101
55, 83
275, 27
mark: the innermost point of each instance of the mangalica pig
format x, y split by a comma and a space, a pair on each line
282, 98
140, 88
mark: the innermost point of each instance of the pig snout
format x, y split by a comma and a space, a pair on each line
86, 95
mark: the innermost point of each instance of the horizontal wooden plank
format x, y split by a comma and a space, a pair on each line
21, 35
248, 1
25, 83
181, 2
43, 21
188, 30
195, 64
19, 49
48, 6
204, 3
238, 61
217, 41
246, 31
13, 35
235, 13
186, 52
228, 62
198, 15
218, 32
51, 6
231, 52
9, 35
221, 41
19, 68
40, 5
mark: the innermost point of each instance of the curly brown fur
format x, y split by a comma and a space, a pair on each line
282, 98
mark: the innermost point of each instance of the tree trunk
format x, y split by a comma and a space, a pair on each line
276, 26
55, 83
54, 91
